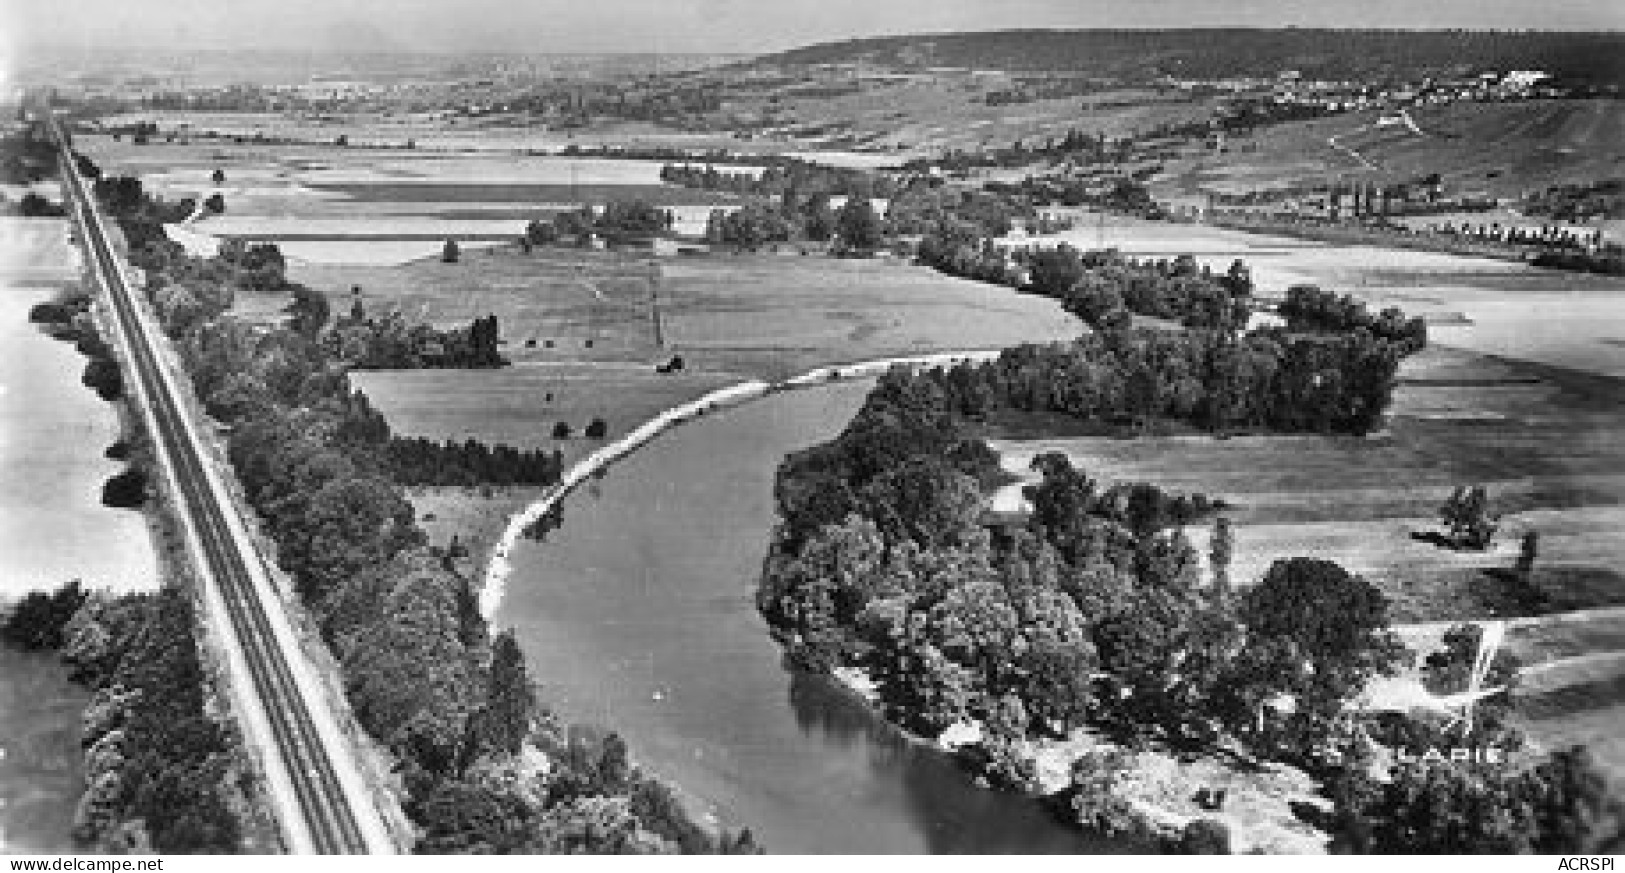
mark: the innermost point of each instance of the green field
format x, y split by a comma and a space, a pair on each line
763, 314
731, 318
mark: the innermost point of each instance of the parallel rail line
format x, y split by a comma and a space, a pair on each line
325, 819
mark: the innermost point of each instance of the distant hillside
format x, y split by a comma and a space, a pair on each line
1494, 149
1208, 53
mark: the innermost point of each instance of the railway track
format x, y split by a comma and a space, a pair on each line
317, 811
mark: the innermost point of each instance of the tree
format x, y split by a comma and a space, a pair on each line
1466, 516
587, 825
561, 431
1578, 809
258, 267
858, 225
309, 311
1560, 806
348, 524
1528, 548
541, 233
218, 177
1328, 611
1219, 552
459, 817
1446, 671
510, 699
34, 206
597, 429
925, 500
820, 218
1055, 271
104, 376
37, 622
449, 253
409, 675
127, 490
1315, 633
215, 203
1204, 836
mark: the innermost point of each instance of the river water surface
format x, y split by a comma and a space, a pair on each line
53, 528
638, 614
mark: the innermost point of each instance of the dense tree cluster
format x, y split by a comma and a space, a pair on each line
922, 204
752, 226
1095, 285
1608, 261
1109, 191
1092, 611
618, 221
1140, 378
419, 461
57, 313
103, 376
1308, 308
799, 199
36, 622
783, 176
161, 775
1100, 287
126, 490
140, 215
1563, 803
391, 343
1601, 199
1333, 372
658, 100
27, 156
32, 205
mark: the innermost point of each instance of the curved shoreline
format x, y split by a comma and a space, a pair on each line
494, 577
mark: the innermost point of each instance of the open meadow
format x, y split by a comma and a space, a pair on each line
579, 325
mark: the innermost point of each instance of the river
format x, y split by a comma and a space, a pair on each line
53, 528
638, 614
53, 431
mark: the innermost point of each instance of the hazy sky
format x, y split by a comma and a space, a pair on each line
718, 26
